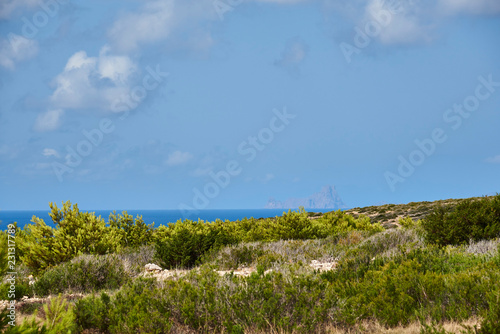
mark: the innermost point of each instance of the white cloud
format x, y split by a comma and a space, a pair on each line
411, 21
49, 121
178, 158
16, 49
157, 20
401, 22
494, 160
50, 152
474, 7
8, 7
152, 23
93, 82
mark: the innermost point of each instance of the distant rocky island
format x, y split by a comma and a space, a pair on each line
327, 198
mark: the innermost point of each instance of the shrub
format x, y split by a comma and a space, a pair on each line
209, 303
83, 274
408, 222
336, 222
75, 233
184, 243
470, 220
131, 233
58, 319
22, 288
139, 308
92, 312
136, 308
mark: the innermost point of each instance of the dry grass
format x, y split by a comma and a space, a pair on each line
375, 328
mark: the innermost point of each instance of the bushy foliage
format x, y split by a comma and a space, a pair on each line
92, 312
392, 277
210, 303
82, 275
3, 254
470, 220
75, 233
137, 308
58, 319
408, 222
21, 286
336, 222
182, 244
423, 282
131, 233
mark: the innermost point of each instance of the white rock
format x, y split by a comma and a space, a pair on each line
152, 267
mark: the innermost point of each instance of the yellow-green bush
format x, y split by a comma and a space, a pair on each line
75, 233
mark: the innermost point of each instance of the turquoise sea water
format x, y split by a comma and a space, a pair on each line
159, 217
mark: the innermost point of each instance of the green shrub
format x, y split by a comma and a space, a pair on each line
58, 319
470, 220
136, 308
209, 303
75, 233
184, 243
92, 312
336, 222
408, 222
131, 233
83, 274
22, 288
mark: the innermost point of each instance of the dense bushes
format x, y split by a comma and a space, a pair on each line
470, 220
390, 278
137, 308
82, 275
42, 246
421, 284
184, 243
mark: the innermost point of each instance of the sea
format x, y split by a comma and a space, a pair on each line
159, 217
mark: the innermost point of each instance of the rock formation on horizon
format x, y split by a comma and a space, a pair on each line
327, 198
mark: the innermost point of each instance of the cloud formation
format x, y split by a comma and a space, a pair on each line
157, 20
93, 82
16, 49
49, 121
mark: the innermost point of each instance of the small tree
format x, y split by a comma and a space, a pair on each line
75, 233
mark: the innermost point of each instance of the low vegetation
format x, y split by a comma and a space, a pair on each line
433, 270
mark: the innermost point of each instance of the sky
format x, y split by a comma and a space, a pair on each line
220, 104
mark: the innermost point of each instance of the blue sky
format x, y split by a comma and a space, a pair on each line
167, 104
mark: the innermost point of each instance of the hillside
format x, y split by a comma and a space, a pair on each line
388, 214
